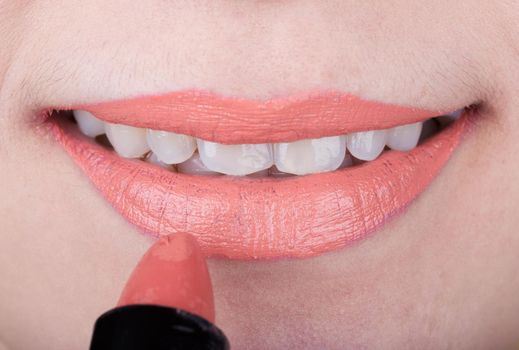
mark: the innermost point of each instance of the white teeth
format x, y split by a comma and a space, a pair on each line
256, 160
169, 147
235, 159
195, 166
88, 124
367, 145
404, 137
311, 155
128, 142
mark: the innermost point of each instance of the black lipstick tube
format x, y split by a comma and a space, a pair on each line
151, 327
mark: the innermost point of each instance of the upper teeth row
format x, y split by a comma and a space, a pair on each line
299, 157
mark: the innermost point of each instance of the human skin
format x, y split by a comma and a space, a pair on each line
442, 275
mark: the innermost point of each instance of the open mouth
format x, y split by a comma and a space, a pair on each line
255, 180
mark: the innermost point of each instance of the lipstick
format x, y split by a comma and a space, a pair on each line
167, 303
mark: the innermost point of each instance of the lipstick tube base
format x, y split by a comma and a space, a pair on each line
152, 327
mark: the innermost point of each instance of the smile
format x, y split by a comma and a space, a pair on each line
286, 178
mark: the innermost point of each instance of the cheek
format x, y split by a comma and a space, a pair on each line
58, 244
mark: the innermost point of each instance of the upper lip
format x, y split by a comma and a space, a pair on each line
233, 121
264, 218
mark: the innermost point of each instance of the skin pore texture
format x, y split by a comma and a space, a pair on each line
442, 275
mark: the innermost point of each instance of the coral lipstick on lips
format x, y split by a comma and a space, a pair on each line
234, 121
166, 304
246, 218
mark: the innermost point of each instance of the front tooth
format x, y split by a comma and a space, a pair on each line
195, 166
235, 159
404, 137
128, 142
169, 147
311, 155
367, 145
88, 124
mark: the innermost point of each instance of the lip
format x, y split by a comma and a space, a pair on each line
254, 218
233, 120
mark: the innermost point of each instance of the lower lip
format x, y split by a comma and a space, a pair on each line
244, 218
